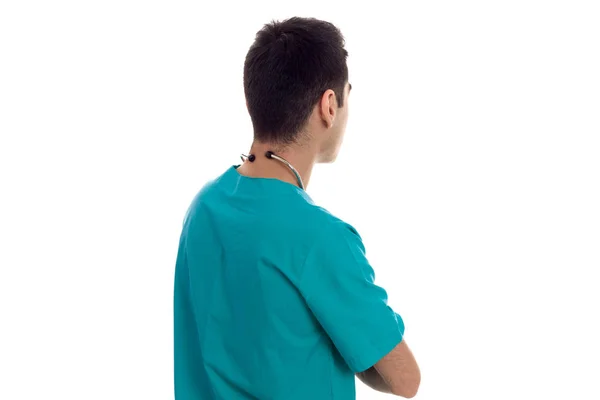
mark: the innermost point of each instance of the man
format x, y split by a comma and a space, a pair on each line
274, 298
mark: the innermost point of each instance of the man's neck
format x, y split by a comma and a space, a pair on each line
302, 158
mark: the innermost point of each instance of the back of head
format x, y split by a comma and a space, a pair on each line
287, 69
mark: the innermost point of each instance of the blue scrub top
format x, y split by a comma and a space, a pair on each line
274, 297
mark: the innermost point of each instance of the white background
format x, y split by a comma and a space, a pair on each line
470, 167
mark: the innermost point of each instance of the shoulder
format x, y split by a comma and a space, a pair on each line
336, 226
207, 193
321, 219
331, 232
336, 256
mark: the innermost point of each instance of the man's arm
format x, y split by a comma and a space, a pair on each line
400, 371
338, 284
372, 379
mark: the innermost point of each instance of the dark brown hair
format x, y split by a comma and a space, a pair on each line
287, 69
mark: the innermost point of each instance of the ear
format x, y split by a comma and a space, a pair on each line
328, 107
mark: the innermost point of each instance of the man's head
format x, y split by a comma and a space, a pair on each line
296, 85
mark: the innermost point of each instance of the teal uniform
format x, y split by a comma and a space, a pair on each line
274, 297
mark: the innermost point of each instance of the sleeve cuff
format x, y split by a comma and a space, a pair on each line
387, 344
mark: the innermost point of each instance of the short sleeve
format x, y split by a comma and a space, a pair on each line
338, 284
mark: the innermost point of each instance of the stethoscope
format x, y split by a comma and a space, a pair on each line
270, 154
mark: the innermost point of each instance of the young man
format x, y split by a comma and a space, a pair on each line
274, 298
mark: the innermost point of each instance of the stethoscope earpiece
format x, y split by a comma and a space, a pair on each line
271, 155
250, 157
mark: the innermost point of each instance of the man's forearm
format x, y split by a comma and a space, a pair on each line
372, 379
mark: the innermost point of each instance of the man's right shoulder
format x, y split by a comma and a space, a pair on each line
323, 224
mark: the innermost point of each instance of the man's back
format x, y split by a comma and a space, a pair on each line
274, 298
